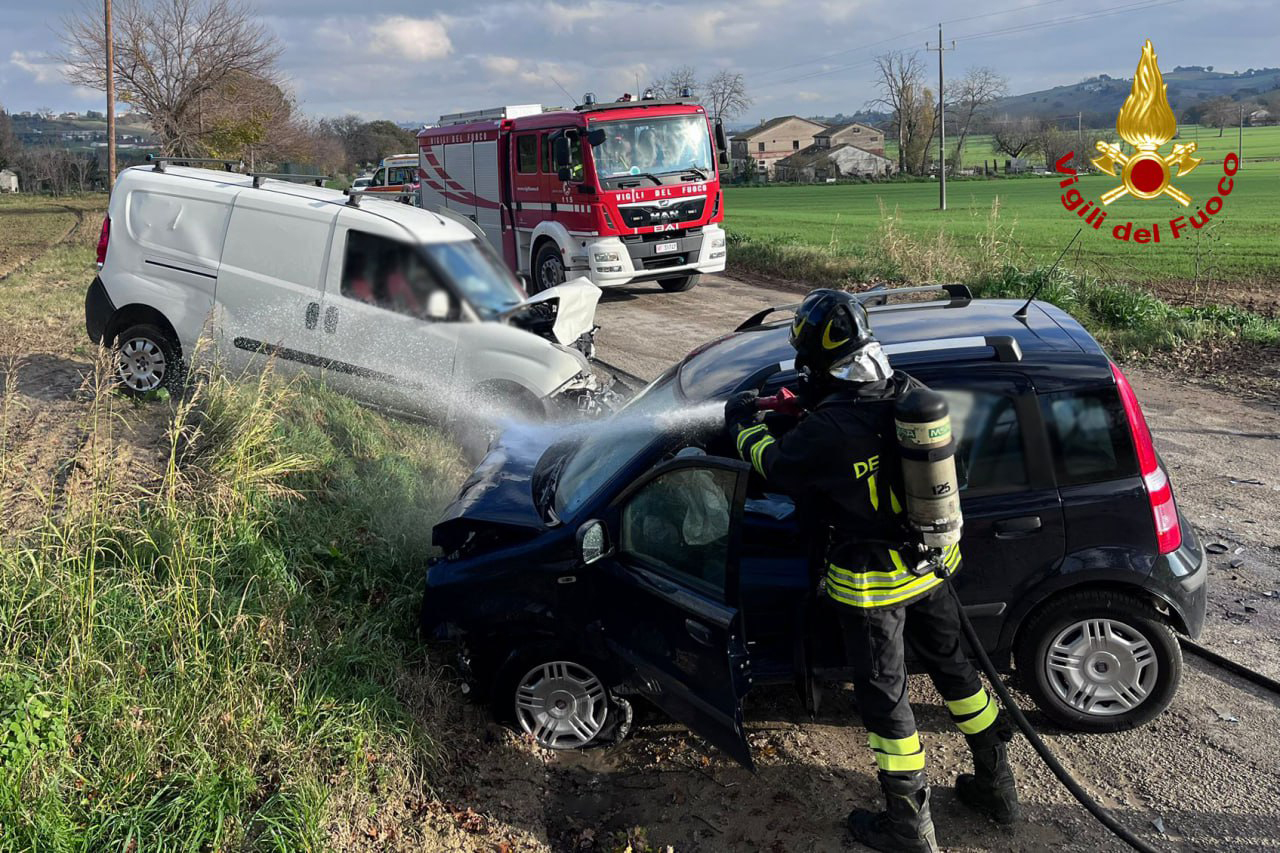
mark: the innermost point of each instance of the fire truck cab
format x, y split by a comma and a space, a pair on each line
621, 192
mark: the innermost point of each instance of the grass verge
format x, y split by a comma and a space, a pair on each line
207, 656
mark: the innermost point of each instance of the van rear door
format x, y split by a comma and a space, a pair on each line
271, 281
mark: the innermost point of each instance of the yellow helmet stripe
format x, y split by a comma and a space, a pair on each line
827, 343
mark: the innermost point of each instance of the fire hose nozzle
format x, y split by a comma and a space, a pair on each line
785, 402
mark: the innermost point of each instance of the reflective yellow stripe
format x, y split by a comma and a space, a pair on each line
757, 453
969, 705
893, 502
875, 498
976, 724
897, 755
859, 580
895, 745
880, 599
747, 433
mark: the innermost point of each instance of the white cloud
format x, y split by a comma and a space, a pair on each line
807, 97
419, 39
44, 68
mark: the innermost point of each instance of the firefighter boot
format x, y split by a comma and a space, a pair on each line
905, 826
990, 789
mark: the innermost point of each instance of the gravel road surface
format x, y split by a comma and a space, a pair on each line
1203, 776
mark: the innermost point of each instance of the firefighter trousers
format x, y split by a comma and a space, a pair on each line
876, 640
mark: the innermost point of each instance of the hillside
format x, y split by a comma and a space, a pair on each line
1101, 97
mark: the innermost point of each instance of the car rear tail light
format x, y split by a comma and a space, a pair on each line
103, 239
1164, 510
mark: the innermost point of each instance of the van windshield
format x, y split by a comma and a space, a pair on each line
483, 279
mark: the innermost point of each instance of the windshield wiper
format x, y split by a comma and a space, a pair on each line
701, 174
648, 175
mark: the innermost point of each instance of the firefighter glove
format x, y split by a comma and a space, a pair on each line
740, 409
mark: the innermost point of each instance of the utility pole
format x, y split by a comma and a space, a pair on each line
942, 123
111, 96
1240, 138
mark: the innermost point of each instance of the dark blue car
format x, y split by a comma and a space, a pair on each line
638, 558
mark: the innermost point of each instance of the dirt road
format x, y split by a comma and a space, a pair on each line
1201, 776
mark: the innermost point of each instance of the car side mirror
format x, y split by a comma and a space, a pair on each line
560, 151
596, 138
593, 542
438, 305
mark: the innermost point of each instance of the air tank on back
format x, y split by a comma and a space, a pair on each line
923, 425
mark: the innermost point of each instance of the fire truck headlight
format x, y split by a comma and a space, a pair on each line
606, 257
717, 242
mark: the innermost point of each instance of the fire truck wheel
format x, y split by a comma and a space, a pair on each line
679, 285
548, 267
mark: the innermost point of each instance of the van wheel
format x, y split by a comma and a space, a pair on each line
548, 267
1098, 661
148, 359
679, 285
561, 702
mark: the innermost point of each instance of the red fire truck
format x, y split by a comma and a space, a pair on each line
618, 192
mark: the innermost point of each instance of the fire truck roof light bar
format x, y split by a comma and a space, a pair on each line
259, 177
163, 161
634, 104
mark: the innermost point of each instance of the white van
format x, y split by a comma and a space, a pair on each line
394, 305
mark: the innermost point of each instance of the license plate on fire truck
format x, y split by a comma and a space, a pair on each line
664, 248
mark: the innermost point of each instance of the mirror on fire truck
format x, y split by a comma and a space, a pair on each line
560, 151
596, 137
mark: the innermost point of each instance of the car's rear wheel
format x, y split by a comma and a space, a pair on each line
1099, 661
679, 284
147, 359
560, 702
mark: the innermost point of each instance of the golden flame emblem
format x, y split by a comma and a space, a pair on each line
1146, 122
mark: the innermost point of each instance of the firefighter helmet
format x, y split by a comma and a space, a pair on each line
829, 326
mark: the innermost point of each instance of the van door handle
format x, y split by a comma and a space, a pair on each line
1012, 528
313, 314
701, 633
331, 319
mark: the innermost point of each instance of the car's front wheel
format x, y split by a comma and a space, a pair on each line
148, 359
1099, 661
561, 703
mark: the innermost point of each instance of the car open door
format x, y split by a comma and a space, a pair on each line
670, 599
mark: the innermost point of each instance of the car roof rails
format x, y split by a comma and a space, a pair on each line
876, 297
161, 161
1005, 347
259, 177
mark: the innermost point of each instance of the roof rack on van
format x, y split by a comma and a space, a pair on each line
259, 177
959, 295
354, 195
162, 161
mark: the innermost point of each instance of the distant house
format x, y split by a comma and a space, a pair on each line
1260, 117
819, 163
771, 141
864, 136
8, 181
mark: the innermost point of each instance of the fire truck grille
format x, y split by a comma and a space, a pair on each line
641, 215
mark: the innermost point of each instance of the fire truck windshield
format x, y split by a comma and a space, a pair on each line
662, 145
483, 279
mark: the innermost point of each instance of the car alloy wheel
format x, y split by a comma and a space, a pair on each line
562, 704
1101, 667
141, 364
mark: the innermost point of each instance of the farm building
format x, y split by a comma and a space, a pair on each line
818, 163
863, 136
769, 142
8, 181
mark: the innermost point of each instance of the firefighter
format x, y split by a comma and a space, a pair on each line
839, 462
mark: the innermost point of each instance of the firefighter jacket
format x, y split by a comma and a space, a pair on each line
840, 464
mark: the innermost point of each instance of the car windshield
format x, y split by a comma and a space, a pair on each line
472, 267
584, 468
654, 146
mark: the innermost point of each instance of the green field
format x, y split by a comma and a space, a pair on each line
846, 223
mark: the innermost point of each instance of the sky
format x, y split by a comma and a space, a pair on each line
412, 61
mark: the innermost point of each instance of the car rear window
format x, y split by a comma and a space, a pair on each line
1089, 435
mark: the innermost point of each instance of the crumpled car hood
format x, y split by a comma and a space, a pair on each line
575, 309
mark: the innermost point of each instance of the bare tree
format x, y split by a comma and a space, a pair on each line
1015, 137
8, 144
727, 95
171, 56
669, 85
901, 85
1220, 112
975, 92
1054, 143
